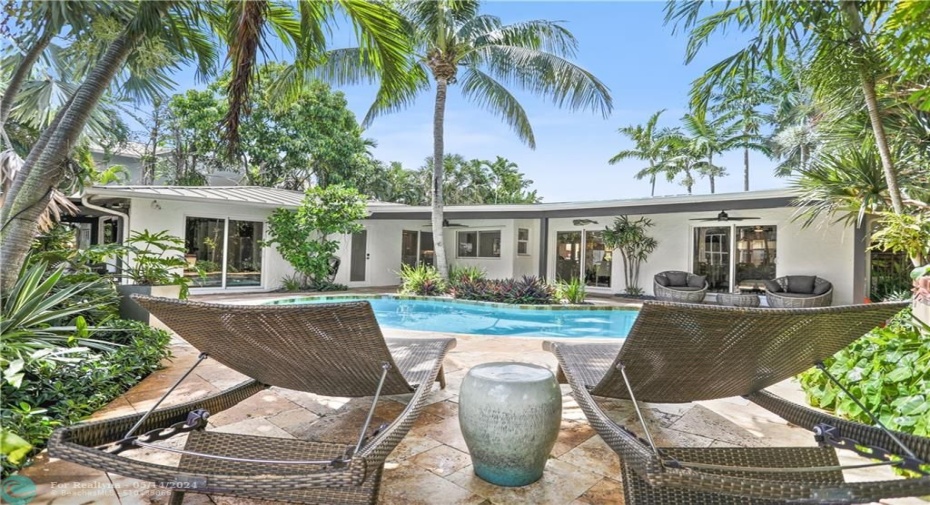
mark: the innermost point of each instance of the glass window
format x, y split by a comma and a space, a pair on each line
598, 260
755, 248
467, 244
523, 241
489, 244
205, 242
244, 254
568, 256
478, 244
712, 256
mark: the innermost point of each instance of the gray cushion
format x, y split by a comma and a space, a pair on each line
662, 280
801, 284
795, 295
677, 278
686, 288
772, 286
821, 287
696, 281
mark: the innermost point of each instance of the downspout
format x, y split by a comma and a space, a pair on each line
124, 228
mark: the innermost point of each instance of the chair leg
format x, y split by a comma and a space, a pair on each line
442, 377
176, 498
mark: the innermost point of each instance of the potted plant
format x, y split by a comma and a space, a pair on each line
154, 264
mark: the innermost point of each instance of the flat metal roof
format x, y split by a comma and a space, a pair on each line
274, 198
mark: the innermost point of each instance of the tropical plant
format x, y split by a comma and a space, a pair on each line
456, 44
41, 319
680, 158
422, 280
888, 370
149, 38
527, 290
710, 136
648, 145
630, 238
573, 291
303, 236
292, 282
741, 100
465, 273
904, 233
842, 71
154, 259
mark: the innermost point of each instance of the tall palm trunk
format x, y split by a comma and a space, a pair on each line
854, 25
710, 161
652, 181
439, 113
22, 71
745, 169
29, 195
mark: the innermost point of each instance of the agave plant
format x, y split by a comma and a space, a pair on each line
40, 319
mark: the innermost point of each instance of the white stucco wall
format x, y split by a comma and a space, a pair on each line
526, 264
825, 249
172, 216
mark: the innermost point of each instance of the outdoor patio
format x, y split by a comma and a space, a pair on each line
431, 465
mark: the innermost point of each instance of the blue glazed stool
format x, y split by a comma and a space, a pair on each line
510, 415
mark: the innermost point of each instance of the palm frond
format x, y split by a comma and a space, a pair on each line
493, 96
246, 20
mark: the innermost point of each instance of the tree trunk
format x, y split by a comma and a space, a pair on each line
746, 169
23, 71
29, 194
854, 25
439, 112
652, 180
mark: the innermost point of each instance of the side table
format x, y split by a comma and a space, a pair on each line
510, 414
738, 299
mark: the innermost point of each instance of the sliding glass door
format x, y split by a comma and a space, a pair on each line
582, 255
735, 258
223, 253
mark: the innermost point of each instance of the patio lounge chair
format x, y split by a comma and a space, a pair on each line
678, 353
674, 286
798, 291
326, 349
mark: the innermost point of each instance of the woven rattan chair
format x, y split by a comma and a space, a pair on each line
683, 294
682, 353
326, 349
787, 300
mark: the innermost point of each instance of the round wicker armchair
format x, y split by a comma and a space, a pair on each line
676, 286
787, 298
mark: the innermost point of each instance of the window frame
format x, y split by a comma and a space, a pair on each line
477, 246
525, 242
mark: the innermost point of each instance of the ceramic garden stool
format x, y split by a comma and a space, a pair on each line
510, 415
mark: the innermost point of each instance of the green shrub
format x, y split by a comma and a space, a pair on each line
527, 290
291, 282
459, 274
573, 291
57, 393
423, 280
888, 370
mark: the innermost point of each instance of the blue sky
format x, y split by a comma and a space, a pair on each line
627, 46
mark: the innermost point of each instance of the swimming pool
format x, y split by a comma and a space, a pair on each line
490, 319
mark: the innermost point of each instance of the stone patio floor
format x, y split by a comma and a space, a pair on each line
431, 465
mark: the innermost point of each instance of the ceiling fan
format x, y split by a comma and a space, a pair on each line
723, 216
447, 224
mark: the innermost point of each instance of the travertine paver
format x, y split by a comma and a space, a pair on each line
430, 466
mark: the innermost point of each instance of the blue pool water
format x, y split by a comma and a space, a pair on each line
455, 317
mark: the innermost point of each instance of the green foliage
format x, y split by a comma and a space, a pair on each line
423, 280
60, 393
905, 233
474, 182
154, 259
888, 370
41, 320
573, 291
527, 290
302, 235
292, 282
465, 273
630, 238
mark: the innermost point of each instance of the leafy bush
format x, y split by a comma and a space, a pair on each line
528, 290
573, 291
423, 280
888, 370
459, 274
60, 393
291, 282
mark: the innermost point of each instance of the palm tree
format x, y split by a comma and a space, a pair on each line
845, 54
180, 28
741, 100
647, 146
680, 156
456, 44
709, 137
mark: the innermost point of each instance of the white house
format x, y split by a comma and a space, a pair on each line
735, 239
